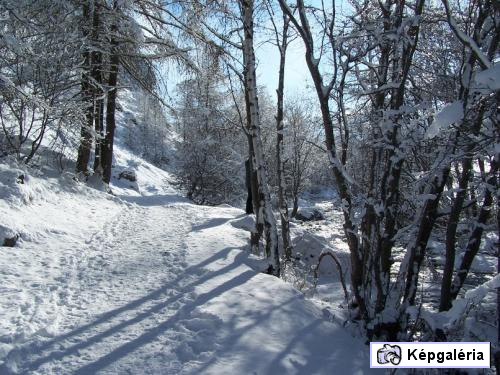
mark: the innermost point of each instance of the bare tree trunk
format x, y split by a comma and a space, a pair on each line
295, 208
390, 184
85, 132
99, 129
254, 187
475, 237
449, 289
107, 146
451, 230
264, 196
456, 209
282, 202
97, 82
248, 184
323, 93
497, 354
416, 250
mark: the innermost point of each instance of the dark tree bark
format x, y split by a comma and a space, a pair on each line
282, 202
450, 289
295, 207
323, 93
416, 251
497, 354
97, 82
248, 183
85, 132
451, 230
371, 260
475, 237
390, 184
254, 188
107, 145
453, 220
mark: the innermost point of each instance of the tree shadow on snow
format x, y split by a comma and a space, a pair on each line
54, 345
215, 222
151, 334
154, 200
310, 350
339, 356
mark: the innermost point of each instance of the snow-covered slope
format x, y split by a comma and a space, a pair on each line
144, 282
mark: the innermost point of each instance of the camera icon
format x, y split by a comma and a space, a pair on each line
389, 354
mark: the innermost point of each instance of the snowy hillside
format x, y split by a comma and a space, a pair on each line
145, 282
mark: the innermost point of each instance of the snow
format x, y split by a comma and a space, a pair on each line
450, 114
489, 78
246, 222
453, 112
461, 306
480, 291
146, 282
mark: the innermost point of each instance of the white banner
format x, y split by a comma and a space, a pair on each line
430, 354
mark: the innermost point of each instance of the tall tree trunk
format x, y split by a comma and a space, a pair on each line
295, 207
85, 132
474, 241
416, 250
282, 202
451, 230
456, 209
248, 184
107, 145
97, 82
99, 115
264, 196
447, 294
390, 184
497, 354
254, 187
99, 129
342, 184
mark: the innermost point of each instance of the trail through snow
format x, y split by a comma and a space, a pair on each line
167, 287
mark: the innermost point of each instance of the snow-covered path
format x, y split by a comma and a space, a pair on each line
167, 287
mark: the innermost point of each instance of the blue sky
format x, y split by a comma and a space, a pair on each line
296, 72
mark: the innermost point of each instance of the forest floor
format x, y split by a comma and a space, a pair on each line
144, 282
